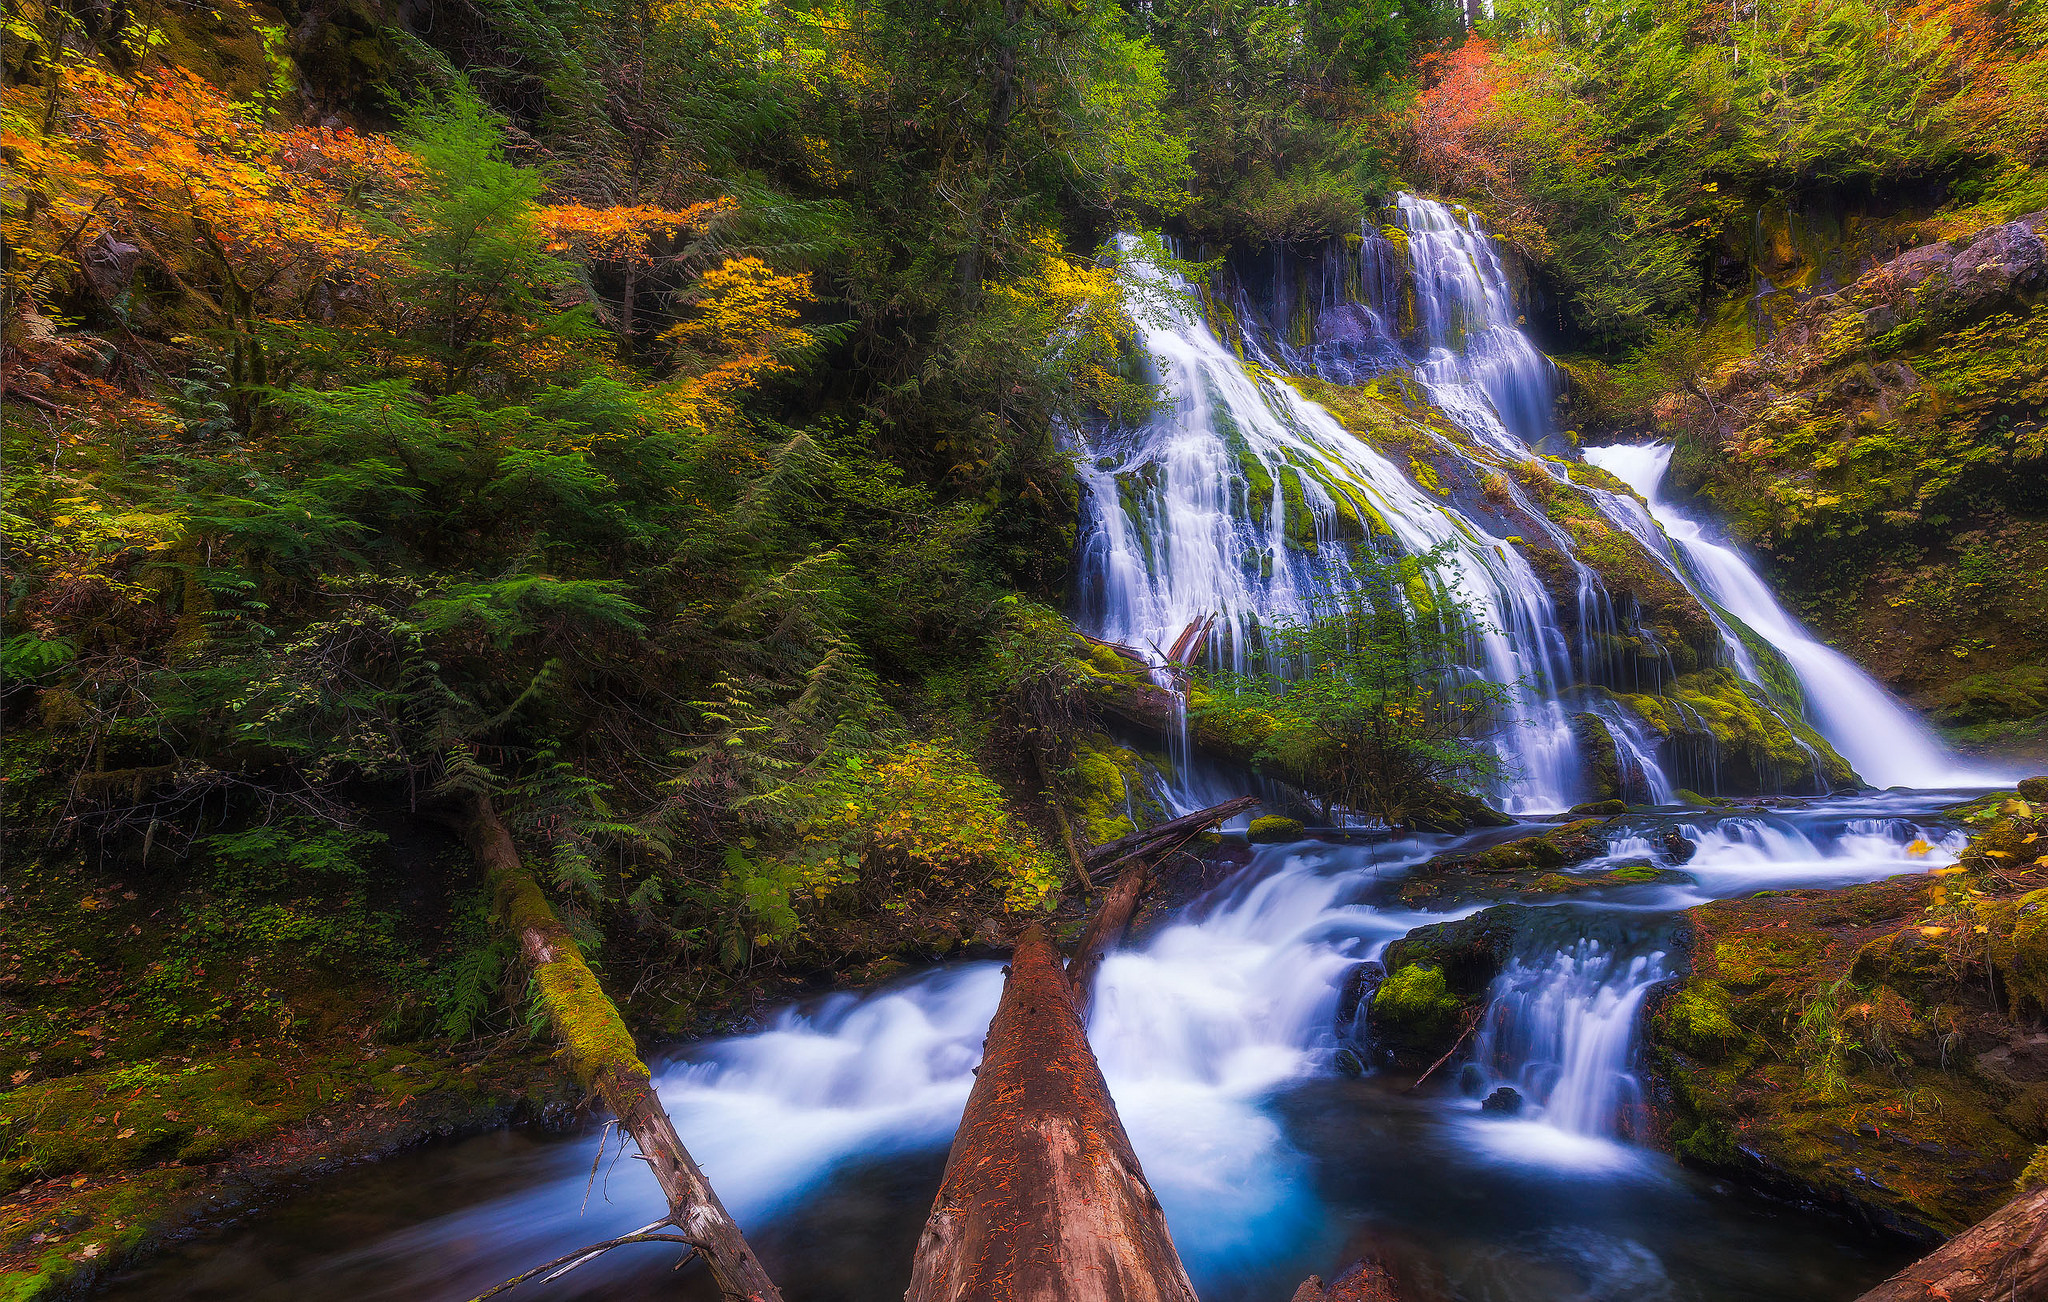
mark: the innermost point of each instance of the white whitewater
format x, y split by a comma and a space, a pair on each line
1189, 542
1233, 500
1880, 738
1203, 1024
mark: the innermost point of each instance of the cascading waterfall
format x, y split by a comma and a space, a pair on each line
1560, 1027
1886, 744
1243, 499
1230, 503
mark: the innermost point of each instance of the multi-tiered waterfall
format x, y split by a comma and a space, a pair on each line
1245, 499
1605, 608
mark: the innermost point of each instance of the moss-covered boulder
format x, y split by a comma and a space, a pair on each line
1845, 1047
1111, 795
1274, 828
1718, 723
1437, 979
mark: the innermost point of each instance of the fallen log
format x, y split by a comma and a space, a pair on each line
1043, 1196
2002, 1258
1172, 829
1189, 644
601, 1053
1105, 930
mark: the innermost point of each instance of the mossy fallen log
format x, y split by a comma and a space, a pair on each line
602, 1055
1043, 1196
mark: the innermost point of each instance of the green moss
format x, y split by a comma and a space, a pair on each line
1758, 747
1635, 873
1274, 827
2036, 1173
1106, 781
1300, 520
1415, 1004
1697, 1020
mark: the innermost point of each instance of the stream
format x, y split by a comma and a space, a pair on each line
1218, 1030
826, 1131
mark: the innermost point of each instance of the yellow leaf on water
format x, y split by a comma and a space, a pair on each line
1919, 847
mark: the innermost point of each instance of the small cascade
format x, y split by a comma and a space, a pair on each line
1640, 774
1560, 1027
1882, 739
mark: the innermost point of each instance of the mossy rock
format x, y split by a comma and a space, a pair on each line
1441, 974
1641, 874
1107, 785
1274, 828
1413, 1012
1574, 843
1599, 809
1758, 748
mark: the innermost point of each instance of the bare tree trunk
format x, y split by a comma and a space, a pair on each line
2002, 1258
1173, 829
601, 1052
1043, 1197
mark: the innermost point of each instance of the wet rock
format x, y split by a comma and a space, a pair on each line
1506, 1100
1827, 1045
1437, 980
2035, 789
1678, 846
1361, 983
1274, 828
1598, 809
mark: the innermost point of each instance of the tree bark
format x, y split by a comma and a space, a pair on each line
1172, 829
1043, 1197
2002, 1258
601, 1053
1105, 931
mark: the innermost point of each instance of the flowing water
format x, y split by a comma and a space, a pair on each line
826, 1131
1223, 1032
1882, 739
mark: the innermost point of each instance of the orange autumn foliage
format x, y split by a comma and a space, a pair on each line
743, 329
239, 216
1449, 128
624, 233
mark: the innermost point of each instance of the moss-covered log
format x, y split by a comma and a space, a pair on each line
601, 1053
1043, 1196
2004, 1256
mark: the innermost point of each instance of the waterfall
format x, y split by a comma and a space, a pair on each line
1241, 499
1881, 738
1560, 1028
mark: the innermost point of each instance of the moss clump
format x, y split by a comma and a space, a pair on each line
1108, 788
1274, 827
1696, 1019
1635, 872
1414, 1008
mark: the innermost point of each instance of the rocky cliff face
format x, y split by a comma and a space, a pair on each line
1886, 453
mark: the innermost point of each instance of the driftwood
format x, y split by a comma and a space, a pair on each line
1471, 1025
601, 1052
1043, 1197
2002, 1258
1173, 829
